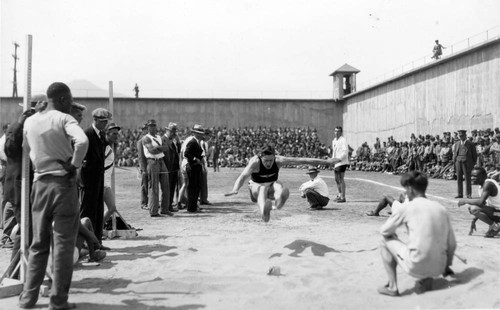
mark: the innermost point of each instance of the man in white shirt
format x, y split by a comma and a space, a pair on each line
315, 190
157, 172
57, 146
431, 241
340, 150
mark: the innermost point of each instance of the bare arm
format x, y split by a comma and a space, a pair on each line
282, 160
146, 141
253, 166
487, 192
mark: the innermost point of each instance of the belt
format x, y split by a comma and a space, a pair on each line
155, 159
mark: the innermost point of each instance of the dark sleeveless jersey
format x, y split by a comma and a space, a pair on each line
266, 175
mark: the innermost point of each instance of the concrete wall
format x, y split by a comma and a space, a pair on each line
459, 92
323, 115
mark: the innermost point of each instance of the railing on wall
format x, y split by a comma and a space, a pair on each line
470, 42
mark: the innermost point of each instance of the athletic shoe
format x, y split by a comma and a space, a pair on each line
167, 213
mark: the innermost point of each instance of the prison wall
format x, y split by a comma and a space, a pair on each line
461, 91
323, 115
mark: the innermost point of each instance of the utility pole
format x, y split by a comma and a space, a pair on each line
14, 86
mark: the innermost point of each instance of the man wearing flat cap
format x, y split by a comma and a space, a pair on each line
315, 190
157, 172
77, 111
93, 171
464, 158
172, 142
112, 136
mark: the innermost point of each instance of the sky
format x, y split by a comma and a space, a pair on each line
230, 48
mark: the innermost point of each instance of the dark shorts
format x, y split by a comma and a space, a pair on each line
341, 168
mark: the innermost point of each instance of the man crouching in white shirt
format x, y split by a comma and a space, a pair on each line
315, 190
431, 241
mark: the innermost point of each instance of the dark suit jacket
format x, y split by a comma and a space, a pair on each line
172, 154
193, 150
13, 171
471, 154
93, 168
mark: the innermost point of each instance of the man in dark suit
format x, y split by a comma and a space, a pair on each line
464, 157
193, 155
171, 140
93, 171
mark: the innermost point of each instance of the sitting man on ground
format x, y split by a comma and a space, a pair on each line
263, 169
86, 238
487, 207
388, 200
315, 190
431, 241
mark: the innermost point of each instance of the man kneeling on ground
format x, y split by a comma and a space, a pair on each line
315, 190
487, 207
431, 241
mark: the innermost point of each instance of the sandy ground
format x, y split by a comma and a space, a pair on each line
219, 259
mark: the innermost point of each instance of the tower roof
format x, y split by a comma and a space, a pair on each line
345, 69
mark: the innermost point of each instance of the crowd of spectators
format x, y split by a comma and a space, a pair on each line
430, 154
237, 145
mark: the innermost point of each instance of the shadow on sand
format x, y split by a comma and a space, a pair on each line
118, 286
463, 277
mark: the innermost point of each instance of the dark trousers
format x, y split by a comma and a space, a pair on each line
315, 199
463, 171
93, 202
194, 186
55, 220
204, 184
144, 189
9, 220
173, 180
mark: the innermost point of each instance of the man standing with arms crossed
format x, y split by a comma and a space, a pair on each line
340, 150
57, 146
464, 158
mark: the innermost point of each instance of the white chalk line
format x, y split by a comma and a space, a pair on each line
399, 188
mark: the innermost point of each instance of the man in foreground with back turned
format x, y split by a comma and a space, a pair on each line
431, 241
57, 146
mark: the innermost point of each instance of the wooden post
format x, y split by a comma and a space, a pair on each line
25, 183
111, 109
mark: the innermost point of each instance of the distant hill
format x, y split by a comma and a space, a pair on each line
84, 88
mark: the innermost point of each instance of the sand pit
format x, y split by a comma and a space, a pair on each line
220, 258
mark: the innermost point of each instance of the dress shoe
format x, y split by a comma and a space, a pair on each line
104, 248
155, 215
469, 196
208, 203
459, 196
340, 200
167, 213
172, 209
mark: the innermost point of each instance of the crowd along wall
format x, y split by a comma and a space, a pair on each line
461, 91
323, 115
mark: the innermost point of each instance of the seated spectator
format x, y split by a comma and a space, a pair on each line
315, 190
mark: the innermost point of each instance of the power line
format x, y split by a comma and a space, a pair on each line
14, 82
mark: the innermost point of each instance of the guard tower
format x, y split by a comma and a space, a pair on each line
344, 81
